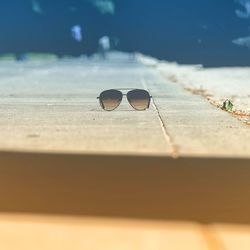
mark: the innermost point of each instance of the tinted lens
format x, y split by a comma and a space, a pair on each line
139, 99
110, 99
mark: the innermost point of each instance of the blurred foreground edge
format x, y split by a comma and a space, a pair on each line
143, 187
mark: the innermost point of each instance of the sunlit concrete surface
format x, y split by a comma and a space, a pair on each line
52, 106
26, 232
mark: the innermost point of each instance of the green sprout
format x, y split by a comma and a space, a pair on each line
227, 106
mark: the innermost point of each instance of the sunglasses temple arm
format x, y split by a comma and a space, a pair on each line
101, 104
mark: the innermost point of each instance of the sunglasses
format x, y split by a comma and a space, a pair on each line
139, 99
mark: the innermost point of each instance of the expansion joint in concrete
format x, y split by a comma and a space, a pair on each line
169, 140
174, 148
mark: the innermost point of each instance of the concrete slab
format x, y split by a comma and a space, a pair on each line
196, 127
52, 106
48, 232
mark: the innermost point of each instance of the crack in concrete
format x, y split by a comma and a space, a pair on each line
169, 140
166, 134
235, 113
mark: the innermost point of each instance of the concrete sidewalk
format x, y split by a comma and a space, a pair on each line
52, 106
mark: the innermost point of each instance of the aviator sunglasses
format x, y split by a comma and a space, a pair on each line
139, 99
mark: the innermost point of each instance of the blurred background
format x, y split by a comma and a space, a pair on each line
209, 32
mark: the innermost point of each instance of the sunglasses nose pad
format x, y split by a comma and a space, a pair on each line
110, 99
139, 99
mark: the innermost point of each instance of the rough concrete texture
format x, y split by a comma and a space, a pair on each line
52, 106
214, 84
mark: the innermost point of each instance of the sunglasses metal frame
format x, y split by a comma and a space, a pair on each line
121, 89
